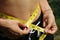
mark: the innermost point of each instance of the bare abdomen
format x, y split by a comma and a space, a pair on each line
21, 9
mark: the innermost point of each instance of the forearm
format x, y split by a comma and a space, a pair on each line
45, 7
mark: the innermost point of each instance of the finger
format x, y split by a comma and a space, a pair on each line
26, 30
53, 30
54, 27
49, 23
15, 28
19, 30
14, 33
44, 23
48, 26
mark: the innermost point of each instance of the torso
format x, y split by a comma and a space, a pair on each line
21, 9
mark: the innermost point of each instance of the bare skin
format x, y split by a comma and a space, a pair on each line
23, 9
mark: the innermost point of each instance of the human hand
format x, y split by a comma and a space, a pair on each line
49, 23
14, 26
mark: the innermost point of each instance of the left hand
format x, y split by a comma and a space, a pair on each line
49, 23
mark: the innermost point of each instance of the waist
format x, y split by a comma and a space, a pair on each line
23, 16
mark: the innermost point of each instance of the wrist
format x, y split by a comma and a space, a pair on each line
47, 11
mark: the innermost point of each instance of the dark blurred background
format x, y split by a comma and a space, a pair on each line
55, 5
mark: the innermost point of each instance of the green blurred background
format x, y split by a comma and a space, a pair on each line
55, 5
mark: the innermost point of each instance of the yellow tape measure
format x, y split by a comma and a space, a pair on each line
29, 22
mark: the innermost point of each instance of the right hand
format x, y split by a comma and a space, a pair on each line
13, 25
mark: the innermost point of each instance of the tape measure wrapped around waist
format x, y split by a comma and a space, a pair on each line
24, 22
27, 23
